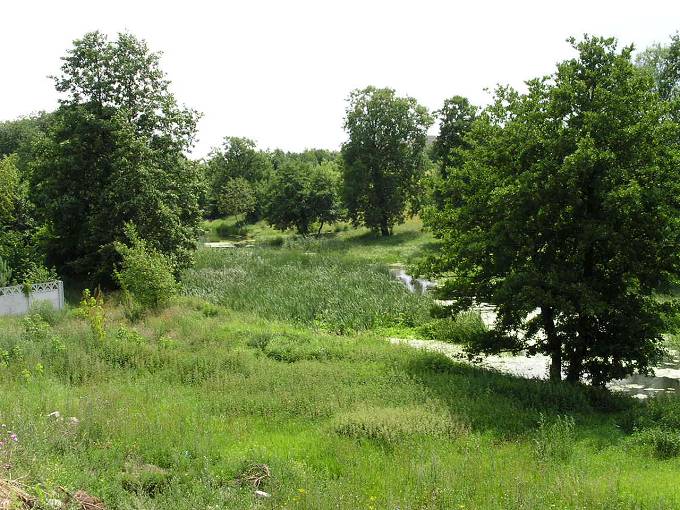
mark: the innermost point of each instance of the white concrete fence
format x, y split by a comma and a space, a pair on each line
15, 301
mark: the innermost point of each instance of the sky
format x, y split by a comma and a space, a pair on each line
279, 71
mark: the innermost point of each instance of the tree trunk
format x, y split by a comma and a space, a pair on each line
575, 369
585, 338
384, 228
318, 234
554, 344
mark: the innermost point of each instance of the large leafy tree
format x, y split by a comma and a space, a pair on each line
19, 232
455, 119
116, 154
237, 198
237, 158
384, 156
663, 61
564, 215
303, 194
19, 137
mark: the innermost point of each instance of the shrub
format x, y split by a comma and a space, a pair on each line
92, 310
554, 440
145, 275
664, 443
661, 411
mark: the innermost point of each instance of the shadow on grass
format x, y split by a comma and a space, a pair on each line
510, 406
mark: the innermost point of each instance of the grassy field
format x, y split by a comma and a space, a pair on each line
272, 372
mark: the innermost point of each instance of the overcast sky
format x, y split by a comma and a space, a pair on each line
279, 71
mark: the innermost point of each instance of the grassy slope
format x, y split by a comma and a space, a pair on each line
204, 390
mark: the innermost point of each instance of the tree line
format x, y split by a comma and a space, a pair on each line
557, 204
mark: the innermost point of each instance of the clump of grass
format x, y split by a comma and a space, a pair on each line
465, 328
307, 284
292, 348
47, 312
554, 439
390, 425
147, 479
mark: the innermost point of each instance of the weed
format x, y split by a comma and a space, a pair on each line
554, 439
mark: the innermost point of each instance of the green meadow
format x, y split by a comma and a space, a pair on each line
273, 372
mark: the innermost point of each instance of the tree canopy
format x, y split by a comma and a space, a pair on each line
303, 194
237, 158
455, 119
384, 156
115, 154
663, 62
564, 215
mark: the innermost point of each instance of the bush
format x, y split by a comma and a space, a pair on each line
145, 276
661, 411
554, 440
92, 310
664, 443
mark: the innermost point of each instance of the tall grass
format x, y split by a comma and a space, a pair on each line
171, 411
309, 283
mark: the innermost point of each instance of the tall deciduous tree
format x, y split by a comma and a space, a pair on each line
237, 198
384, 155
237, 158
663, 61
115, 154
565, 215
302, 194
455, 119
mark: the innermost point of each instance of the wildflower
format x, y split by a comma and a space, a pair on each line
301, 491
14, 437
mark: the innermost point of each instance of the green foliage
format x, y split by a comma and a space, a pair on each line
238, 158
9, 188
662, 411
237, 198
384, 156
19, 232
663, 62
663, 442
145, 275
115, 153
91, 309
455, 120
5, 273
18, 137
554, 440
566, 198
302, 194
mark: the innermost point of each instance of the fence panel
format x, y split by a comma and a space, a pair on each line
14, 301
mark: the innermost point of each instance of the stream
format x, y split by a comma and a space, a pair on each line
666, 376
